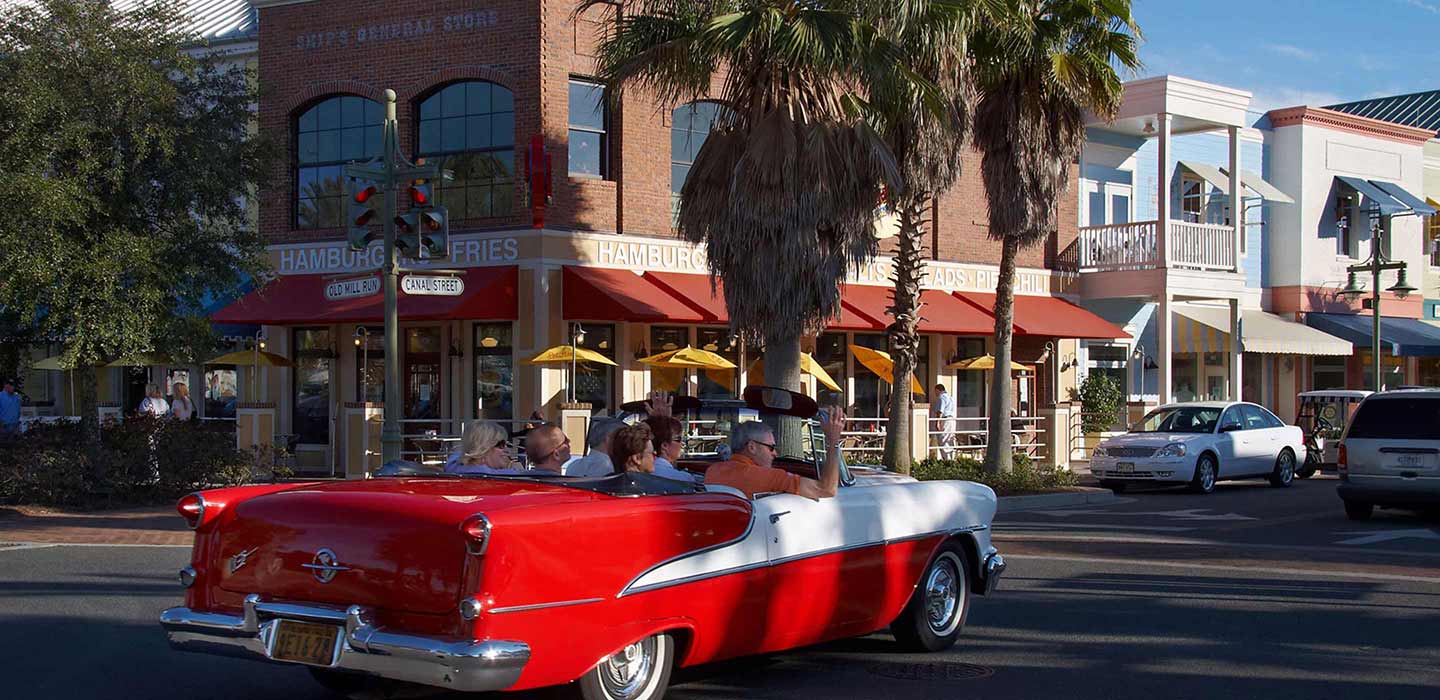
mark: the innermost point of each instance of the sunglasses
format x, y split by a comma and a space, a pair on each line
768, 445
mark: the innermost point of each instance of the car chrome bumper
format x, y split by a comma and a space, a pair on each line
991, 572
461, 665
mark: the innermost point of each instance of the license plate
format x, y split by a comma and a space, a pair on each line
1410, 460
1125, 467
305, 642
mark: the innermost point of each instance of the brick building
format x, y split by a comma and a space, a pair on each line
486, 88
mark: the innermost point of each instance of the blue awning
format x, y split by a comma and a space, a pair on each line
1387, 197
1406, 337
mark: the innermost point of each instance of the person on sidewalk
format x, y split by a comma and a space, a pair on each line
753, 450
547, 448
944, 410
154, 402
182, 408
9, 411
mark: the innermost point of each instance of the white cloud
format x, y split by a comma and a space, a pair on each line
1422, 4
1268, 98
1293, 51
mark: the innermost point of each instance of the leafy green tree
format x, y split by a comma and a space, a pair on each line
127, 159
1101, 403
1037, 74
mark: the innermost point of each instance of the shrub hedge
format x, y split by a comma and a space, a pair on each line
1024, 477
146, 460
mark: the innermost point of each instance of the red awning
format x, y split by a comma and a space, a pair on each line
939, 313
1049, 316
597, 294
695, 291
490, 294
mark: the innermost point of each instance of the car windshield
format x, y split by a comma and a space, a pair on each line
1181, 419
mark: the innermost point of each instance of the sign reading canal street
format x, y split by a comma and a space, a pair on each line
424, 285
351, 288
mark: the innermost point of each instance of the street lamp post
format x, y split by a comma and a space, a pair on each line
1353, 290
577, 336
1140, 355
362, 340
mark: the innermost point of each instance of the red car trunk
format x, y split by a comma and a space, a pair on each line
399, 540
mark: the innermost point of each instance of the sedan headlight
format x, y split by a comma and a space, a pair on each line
1174, 449
1099, 452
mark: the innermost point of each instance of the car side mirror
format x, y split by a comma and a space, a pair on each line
1229, 427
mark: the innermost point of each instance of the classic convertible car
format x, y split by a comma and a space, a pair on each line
482, 583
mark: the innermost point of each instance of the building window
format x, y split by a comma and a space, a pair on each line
1112, 361
221, 392
1432, 240
313, 355
1120, 208
328, 135
594, 382
970, 384
665, 339
1327, 372
494, 371
1192, 200
370, 365
872, 395
589, 130
469, 129
830, 354
689, 127
718, 383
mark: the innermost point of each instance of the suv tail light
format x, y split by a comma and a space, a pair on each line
1341, 460
476, 529
192, 509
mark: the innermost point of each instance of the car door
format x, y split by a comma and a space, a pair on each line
1230, 442
1272, 433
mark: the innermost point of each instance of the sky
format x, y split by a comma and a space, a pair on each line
1293, 52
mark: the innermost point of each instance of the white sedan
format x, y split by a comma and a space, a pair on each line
1199, 444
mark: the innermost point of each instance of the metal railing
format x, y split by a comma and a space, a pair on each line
1079, 444
971, 435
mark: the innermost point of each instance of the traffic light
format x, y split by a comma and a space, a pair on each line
435, 232
421, 194
406, 240
362, 211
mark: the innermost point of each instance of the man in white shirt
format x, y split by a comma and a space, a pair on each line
943, 408
596, 462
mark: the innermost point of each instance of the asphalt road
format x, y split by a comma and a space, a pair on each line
1099, 602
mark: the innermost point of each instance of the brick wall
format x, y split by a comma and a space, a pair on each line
310, 50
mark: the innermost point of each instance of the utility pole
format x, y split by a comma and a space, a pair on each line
388, 175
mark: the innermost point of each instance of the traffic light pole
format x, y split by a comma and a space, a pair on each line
390, 436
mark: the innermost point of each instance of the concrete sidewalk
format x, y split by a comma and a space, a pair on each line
156, 525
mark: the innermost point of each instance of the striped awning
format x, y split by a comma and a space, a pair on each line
1206, 329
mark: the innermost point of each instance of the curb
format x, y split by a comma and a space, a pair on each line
1079, 497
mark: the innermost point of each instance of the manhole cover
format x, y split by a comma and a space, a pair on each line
932, 671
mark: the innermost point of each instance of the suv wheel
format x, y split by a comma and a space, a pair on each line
1355, 510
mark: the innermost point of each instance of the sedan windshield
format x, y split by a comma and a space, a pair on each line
1183, 419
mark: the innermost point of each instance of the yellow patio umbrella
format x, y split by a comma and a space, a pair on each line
251, 358
565, 354
49, 363
140, 360
688, 358
879, 362
983, 362
808, 365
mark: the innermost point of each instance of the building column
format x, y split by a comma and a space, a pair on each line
1237, 212
1235, 363
1164, 329
1162, 208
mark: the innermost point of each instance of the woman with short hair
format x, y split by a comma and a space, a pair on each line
631, 449
667, 436
154, 402
482, 450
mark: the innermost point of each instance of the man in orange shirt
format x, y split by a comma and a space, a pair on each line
753, 450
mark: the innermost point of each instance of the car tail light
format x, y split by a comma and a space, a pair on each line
476, 529
192, 509
1342, 460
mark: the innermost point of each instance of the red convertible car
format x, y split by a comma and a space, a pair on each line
484, 583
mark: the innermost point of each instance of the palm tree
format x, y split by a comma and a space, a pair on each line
928, 144
782, 193
1036, 76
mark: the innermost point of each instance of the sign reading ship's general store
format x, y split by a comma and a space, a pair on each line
410, 29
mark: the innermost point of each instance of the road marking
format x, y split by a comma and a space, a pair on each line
1378, 536
1277, 571
1141, 539
11, 546
1011, 527
1196, 514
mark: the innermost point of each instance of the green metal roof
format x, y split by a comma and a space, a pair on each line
1420, 109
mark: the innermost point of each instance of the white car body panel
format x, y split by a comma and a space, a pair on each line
1245, 453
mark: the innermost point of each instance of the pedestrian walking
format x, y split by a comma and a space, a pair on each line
154, 402
181, 407
9, 411
943, 409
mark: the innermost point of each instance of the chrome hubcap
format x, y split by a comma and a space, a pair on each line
1207, 474
1287, 466
625, 674
944, 589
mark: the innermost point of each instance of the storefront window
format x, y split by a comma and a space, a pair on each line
494, 371
872, 394
313, 356
595, 383
718, 383
1252, 378
328, 135
830, 354
469, 129
220, 392
1112, 361
1392, 370
1429, 371
1327, 372
970, 384
370, 365
1183, 374
665, 339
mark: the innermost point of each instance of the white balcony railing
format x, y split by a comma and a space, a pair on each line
1135, 246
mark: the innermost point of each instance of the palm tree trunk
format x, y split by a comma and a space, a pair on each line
904, 340
998, 446
782, 369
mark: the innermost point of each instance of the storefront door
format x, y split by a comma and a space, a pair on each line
421, 373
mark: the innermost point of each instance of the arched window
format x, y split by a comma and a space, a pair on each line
328, 135
689, 127
469, 128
